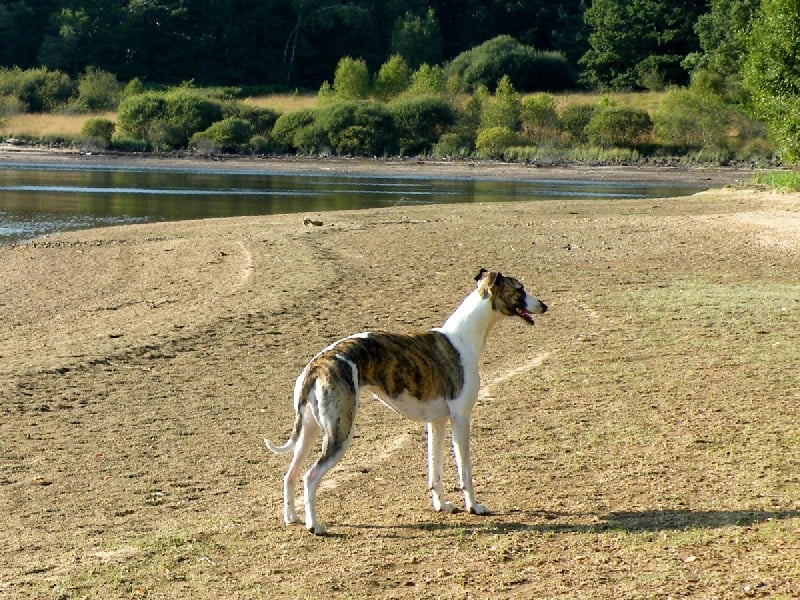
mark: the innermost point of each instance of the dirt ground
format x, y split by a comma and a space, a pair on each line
641, 441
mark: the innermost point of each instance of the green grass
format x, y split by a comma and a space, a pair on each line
787, 181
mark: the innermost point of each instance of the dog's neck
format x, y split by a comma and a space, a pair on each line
472, 321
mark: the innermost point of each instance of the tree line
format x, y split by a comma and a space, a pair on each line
297, 43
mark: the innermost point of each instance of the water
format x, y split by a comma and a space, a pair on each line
37, 199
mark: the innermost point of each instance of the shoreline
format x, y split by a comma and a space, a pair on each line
391, 167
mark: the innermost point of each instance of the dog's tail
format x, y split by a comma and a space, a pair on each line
289, 445
302, 388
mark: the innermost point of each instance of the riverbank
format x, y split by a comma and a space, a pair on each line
639, 441
712, 176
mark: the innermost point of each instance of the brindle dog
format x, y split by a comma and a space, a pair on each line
430, 377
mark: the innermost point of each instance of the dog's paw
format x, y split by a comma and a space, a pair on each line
479, 509
316, 529
289, 517
445, 507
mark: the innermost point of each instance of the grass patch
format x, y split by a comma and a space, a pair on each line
786, 181
49, 125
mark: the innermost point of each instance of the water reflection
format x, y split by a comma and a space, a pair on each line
36, 200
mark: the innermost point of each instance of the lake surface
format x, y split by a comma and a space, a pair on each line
40, 199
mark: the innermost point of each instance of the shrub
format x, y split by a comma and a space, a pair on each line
351, 79
358, 127
688, 119
492, 142
393, 77
38, 90
260, 144
619, 127
420, 121
261, 119
136, 113
428, 80
574, 120
454, 145
188, 112
539, 116
505, 109
528, 69
98, 90
287, 126
98, 131
228, 135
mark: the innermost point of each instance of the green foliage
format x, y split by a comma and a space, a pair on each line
492, 142
619, 127
393, 77
262, 120
167, 120
289, 125
38, 90
638, 42
97, 91
98, 131
360, 127
136, 113
428, 80
420, 121
772, 72
351, 80
417, 39
539, 116
574, 120
454, 145
504, 109
528, 69
228, 135
695, 117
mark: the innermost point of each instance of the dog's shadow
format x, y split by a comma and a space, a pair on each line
624, 521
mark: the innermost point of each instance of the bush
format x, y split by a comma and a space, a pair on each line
358, 127
98, 131
261, 119
260, 144
228, 135
504, 109
454, 145
528, 69
420, 121
539, 116
351, 79
38, 90
492, 142
188, 112
98, 90
288, 125
619, 127
393, 77
136, 113
574, 120
428, 80
688, 119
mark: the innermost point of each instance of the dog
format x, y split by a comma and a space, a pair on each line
430, 377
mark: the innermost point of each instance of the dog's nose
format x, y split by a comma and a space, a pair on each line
544, 307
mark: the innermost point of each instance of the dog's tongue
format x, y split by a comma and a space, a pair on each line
526, 316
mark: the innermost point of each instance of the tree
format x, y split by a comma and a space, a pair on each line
417, 39
351, 80
638, 42
393, 77
772, 72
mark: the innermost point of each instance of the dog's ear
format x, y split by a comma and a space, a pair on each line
487, 281
479, 276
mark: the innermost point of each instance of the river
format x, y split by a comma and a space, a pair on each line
38, 199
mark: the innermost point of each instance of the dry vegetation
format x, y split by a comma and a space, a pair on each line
640, 442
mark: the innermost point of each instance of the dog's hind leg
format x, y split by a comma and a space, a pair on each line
436, 433
305, 442
337, 431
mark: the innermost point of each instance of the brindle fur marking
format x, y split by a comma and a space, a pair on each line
431, 376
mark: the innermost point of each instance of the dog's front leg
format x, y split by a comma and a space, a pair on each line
436, 432
461, 435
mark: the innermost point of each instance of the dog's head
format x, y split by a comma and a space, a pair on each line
508, 295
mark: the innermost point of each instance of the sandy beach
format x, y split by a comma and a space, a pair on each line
640, 441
